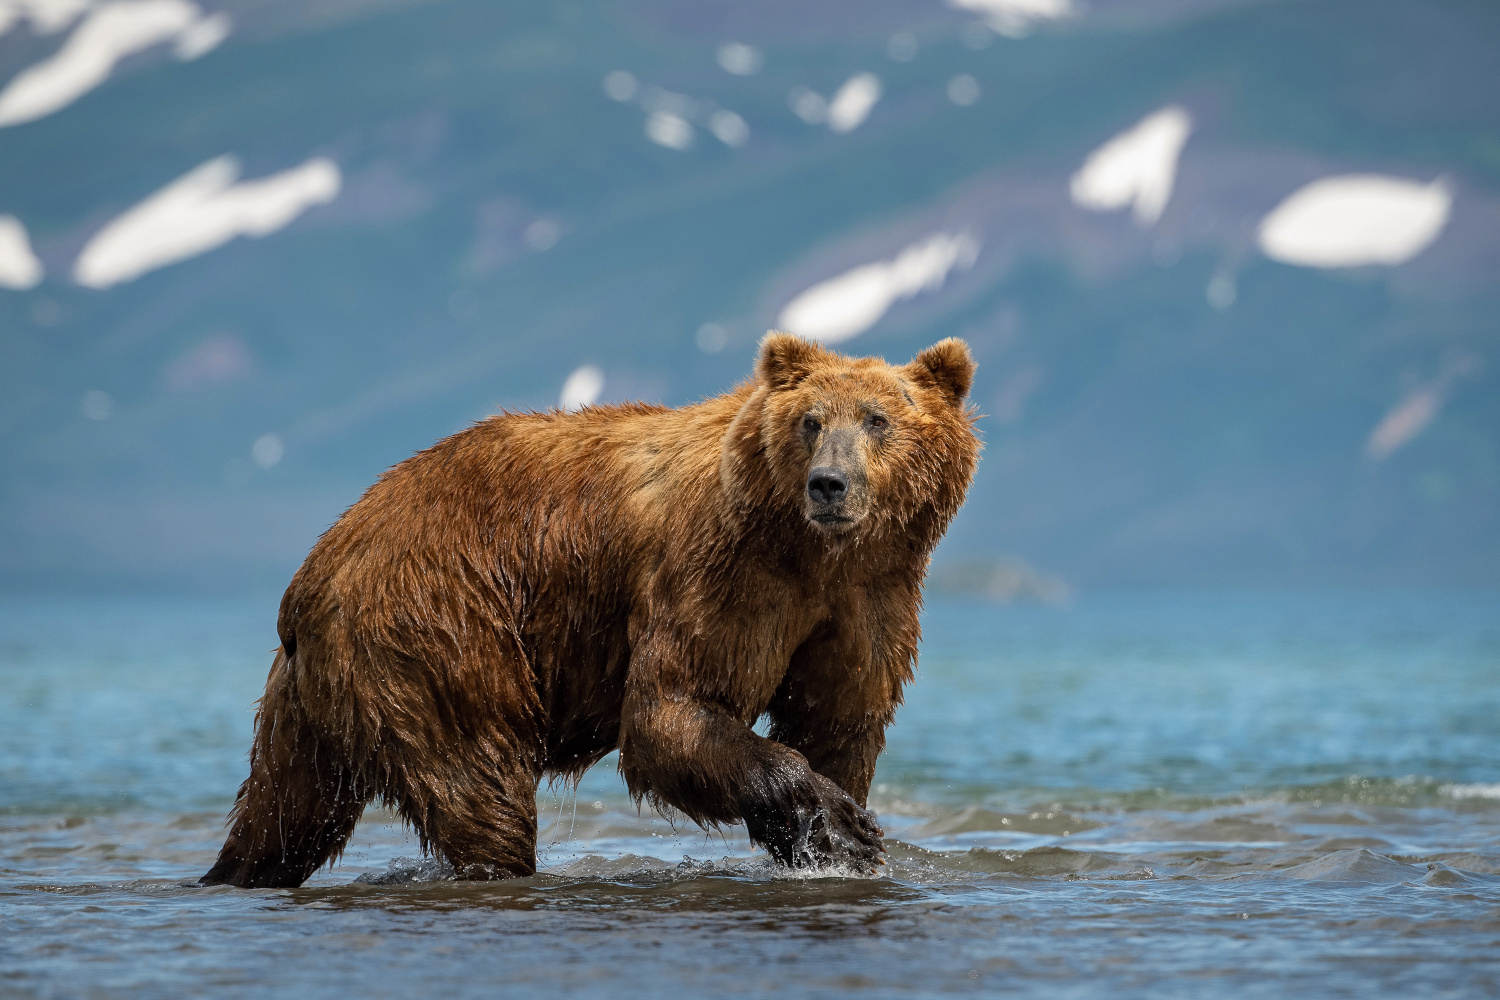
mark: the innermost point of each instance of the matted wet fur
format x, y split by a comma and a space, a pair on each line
536, 591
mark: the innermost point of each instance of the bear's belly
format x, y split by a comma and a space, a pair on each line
581, 681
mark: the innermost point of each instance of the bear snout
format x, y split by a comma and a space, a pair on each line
827, 485
835, 497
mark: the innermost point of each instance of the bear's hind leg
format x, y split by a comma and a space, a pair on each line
475, 807
296, 810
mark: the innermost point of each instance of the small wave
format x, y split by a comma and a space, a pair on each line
977, 819
1357, 865
95, 888
1218, 830
597, 867
1089, 806
1471, 791
1468, 861
1038, 862
1376, 844
1442, 876
409, 871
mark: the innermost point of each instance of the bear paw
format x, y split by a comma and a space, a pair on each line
822, 827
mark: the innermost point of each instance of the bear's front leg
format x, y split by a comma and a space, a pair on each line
697, 758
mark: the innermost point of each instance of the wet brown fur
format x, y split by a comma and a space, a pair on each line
538, 590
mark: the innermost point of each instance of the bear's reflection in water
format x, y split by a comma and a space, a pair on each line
751, 886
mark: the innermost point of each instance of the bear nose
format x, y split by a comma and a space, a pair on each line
825, 484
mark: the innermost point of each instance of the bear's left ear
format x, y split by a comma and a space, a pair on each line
946, 366
786, 359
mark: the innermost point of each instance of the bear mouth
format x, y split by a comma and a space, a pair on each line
830, 519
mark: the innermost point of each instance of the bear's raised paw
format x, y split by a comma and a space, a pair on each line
821, 827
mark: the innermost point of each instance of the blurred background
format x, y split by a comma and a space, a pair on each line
1229, 268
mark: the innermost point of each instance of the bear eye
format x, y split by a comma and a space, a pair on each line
877, 423
811, 425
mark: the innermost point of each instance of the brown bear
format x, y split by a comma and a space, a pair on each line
540, 589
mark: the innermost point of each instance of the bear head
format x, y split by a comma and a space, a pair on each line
846, 445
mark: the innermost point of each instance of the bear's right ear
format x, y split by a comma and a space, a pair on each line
946, 366
786, 359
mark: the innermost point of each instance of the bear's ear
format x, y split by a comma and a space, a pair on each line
786, 359
946, 366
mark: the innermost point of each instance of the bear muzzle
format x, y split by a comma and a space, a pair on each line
827, 486
834, 498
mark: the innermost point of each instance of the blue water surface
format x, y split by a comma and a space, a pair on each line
1152, 794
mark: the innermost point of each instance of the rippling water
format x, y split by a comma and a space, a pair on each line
1150, 795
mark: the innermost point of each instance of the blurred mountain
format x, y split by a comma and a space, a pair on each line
526, 188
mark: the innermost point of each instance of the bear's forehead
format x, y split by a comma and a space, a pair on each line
859, 380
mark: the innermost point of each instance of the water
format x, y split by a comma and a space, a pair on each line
1147, 795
